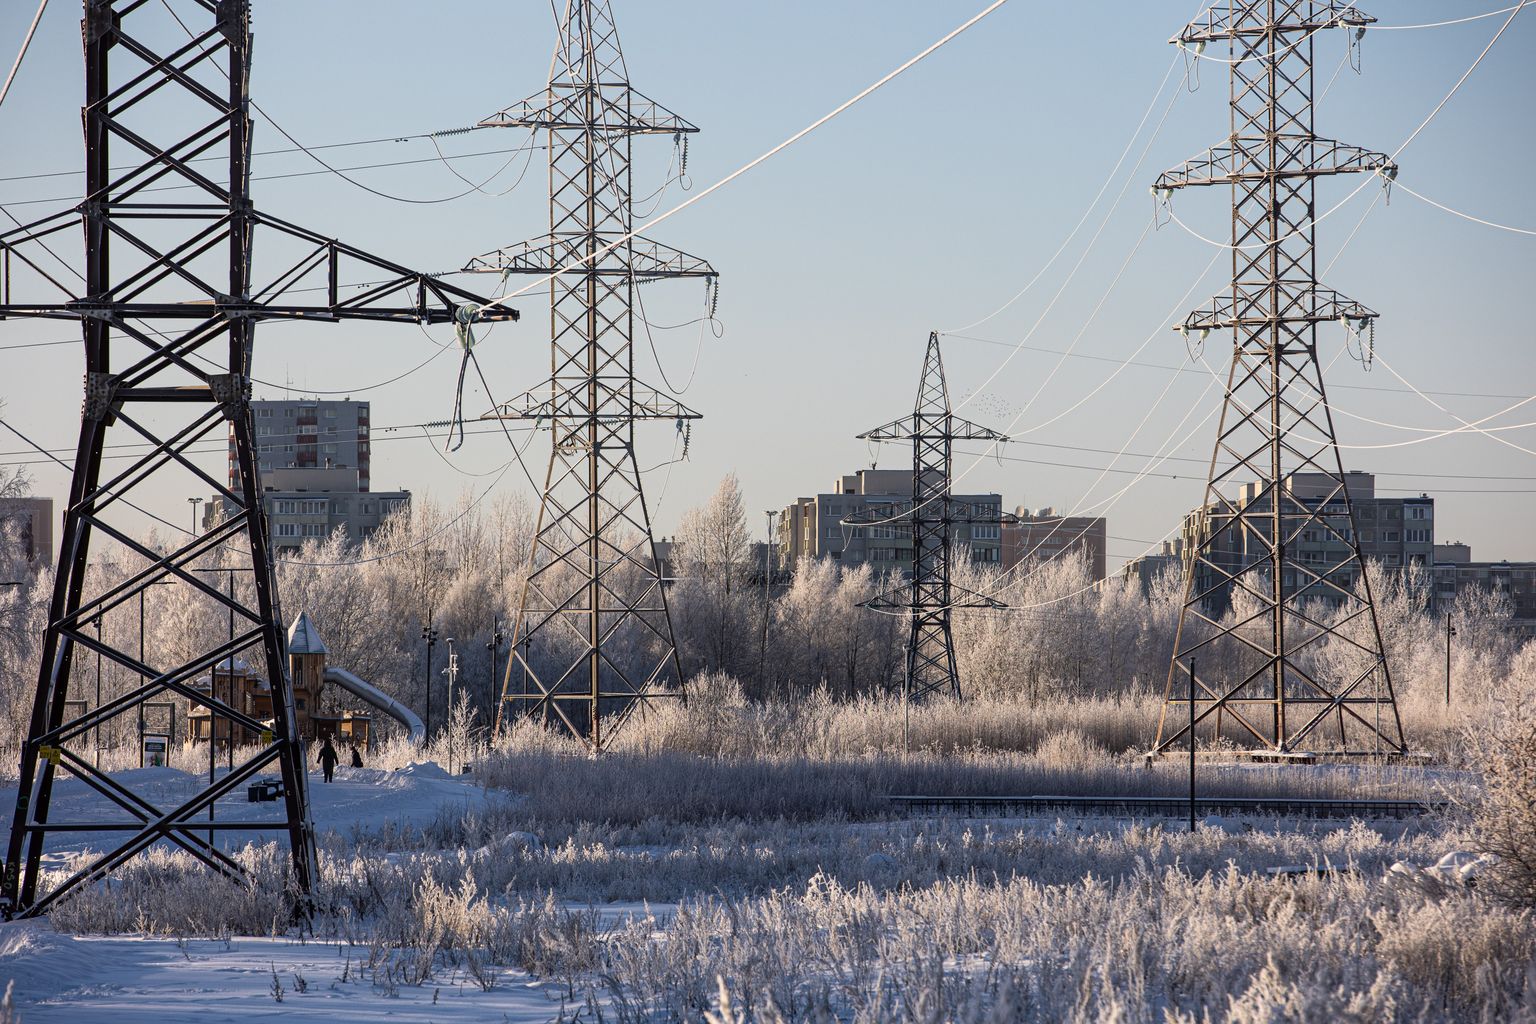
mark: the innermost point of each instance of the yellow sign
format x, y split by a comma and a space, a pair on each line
266, 735
53, 755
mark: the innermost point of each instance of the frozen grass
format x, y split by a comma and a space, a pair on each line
723, 757
1020, 922
1160, 946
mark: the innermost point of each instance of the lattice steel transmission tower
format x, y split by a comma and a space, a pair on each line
930, 596
168, 304
593, 635
1283, 648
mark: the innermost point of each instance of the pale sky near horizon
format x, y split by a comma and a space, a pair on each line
925, 207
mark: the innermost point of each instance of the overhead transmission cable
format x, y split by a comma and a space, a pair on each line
1087, 212
25, 44
309, 152
763, 157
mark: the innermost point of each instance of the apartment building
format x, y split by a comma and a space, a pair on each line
311, 504
812, 526
1148, 568
1455, 572
1394, 531
1044, 536
309, 433
32, 521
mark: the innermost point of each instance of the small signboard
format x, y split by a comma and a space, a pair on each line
155, 751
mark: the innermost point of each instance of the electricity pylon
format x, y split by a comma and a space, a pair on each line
930, 595
168, 305
1278, 644
593, 635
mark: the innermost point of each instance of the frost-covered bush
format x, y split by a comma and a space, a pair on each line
1505, 813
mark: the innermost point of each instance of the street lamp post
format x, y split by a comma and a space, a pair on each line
1450, 631
452, 672
493, 645
429, 634
194, 502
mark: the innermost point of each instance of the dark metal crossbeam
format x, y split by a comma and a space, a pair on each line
164, 283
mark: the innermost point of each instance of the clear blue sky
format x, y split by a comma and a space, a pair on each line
924, 207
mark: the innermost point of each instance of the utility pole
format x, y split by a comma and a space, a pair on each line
1276, 475
194, 502
493, 647
1450, 631
168, 313
429, 634
1191, 744
930, 595
452, 672
596, 578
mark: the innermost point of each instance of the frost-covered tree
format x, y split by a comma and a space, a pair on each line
713, 607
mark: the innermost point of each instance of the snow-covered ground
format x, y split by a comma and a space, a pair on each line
61, 979
763, 904
128, 980
366, 799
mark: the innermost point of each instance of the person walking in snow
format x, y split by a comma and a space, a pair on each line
357, 757
328, 759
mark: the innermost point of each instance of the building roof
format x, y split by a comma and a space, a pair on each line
304, 638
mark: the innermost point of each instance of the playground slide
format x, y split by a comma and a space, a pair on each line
379, 699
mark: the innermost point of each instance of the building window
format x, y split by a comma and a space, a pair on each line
287, 529
314, 529
985, 533
287, 508
1390, 537
1417, 512
1417, 536
265, 414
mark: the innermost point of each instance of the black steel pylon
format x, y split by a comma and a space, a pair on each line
1279, 645
593, 636
168, 304
930, 595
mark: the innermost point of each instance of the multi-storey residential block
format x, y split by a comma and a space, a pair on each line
309, 433
812, 527
311, 504
1456, 573
1148, 568
1043, 536
1394, 531
30, 520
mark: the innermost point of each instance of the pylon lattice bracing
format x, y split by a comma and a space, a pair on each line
593, 636
168, 304
1286, 653
930, 595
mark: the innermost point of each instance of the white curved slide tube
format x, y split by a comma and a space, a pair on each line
379, 699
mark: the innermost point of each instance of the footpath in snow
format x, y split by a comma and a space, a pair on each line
127, 980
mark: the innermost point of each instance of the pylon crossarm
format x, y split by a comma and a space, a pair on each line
617, 113
567, 406
1249, 19
1245, 161
1316, 305
575, 254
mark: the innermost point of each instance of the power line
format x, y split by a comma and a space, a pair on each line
5, 89
310, 174
1193, 370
